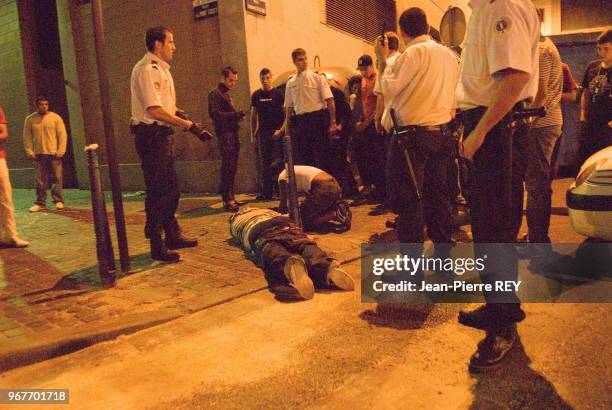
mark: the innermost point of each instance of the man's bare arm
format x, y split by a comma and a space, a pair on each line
509, 85
159, 113
3, 133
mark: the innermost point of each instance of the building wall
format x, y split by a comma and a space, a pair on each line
195, 69
434, 9
13, 87
290, 24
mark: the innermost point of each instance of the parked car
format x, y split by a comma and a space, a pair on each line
589, 199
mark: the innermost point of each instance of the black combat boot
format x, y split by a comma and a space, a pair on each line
160, 252
176, 240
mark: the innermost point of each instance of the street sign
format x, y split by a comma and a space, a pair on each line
205, 8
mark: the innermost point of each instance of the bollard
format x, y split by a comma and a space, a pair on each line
294, 209
104, 246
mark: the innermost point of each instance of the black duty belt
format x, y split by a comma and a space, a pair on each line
155, 127
310, 114
427, 128
473, 115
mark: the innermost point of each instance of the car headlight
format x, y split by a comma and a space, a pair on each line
588, 171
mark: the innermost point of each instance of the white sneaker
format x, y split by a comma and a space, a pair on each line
59, 206
297, 275
36, 208
339, 278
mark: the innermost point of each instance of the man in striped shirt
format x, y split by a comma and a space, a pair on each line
541, 142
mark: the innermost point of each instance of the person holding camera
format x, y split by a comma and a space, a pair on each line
419, 88
154, 113
596, 100
226, 119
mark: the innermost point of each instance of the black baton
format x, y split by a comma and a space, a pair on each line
402, 143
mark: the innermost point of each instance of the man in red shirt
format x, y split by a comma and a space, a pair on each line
372, 142
8, 230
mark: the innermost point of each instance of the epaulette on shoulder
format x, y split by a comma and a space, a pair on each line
154, 64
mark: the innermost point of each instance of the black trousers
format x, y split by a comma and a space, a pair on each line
154, 145
369, 148
431, 154
229, 148
322, 198
493, 206
311, 145
270, 151
340, 167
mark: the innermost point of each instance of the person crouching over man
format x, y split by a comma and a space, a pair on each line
322, 203
293, 263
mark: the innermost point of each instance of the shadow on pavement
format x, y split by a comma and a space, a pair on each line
516, 386
401, 316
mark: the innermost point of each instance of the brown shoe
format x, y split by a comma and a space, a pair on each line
493, 349
231, 206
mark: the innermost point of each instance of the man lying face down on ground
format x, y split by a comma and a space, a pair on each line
322, 209
293, 263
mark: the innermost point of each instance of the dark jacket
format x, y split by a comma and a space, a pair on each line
222, 111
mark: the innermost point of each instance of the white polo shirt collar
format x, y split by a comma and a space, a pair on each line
474, 4
419, 39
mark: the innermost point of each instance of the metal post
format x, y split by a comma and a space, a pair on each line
294, 209
113, 166
404, 148
104, 246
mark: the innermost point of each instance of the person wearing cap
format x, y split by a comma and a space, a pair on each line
372, 143
381, 109
311, 112
499, 74
419, 86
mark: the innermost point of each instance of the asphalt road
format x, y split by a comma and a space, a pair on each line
335, 352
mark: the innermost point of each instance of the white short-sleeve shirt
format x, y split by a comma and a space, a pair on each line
151, 85
501, 34
304, 174
307, 92
420, 84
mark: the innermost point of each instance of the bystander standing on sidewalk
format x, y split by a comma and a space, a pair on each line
8, 230
44, 140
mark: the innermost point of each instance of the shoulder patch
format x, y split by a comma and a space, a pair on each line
502, 25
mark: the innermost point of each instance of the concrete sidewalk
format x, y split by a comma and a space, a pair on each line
51, 302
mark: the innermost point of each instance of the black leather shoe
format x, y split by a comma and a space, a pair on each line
491, 316
231, 206
391, 223
160, 253
493, 349
179, 242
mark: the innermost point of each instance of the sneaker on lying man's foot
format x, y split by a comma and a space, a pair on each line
339, 278
296, 274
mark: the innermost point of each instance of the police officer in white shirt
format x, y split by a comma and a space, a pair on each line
311, 113
153, 113
420, 86
499, 72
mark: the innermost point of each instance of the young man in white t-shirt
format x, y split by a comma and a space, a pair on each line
322, 195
